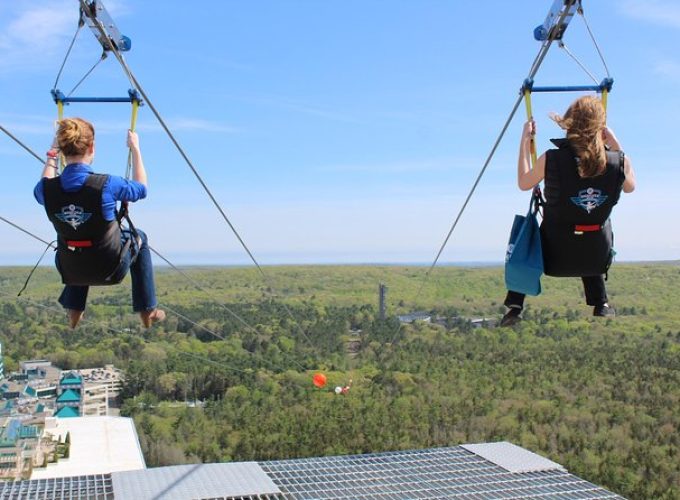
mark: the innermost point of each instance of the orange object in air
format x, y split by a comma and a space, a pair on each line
319, 379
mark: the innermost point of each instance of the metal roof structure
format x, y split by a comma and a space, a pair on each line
472, 472
438, 473
180, 482
511, 457
92, 487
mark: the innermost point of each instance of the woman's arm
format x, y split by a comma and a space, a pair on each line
528, 177
138, 171
52, 161
612, 141
629, 182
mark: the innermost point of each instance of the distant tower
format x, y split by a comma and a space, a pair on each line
382, 298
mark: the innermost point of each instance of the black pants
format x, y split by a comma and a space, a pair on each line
596, 293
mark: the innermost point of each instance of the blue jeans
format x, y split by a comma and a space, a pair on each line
141, 272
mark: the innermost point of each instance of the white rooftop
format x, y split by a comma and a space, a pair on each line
433, 474
99, 445
511, 457
180, 482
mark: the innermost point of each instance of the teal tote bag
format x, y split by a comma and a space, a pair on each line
524, 258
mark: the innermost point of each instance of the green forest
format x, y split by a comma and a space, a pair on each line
228, 375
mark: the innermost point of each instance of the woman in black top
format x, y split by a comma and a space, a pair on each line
583, 177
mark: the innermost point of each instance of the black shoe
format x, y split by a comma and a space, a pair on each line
605, 311
512, 317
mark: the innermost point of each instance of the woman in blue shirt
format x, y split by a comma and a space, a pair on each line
92, 248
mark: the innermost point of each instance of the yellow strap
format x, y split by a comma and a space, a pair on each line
530, 116
133, 125
60, 116
605, 94
133, 120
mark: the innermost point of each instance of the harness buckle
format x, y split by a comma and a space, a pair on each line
579, 229
73, 244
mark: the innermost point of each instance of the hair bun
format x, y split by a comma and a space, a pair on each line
75, 136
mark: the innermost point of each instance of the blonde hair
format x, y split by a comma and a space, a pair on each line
75, 136
584, 122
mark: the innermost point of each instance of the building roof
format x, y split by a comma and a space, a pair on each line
94, 486
415, 316
71, 378
491, 471
99, 445
109, 374
179, 482
50, 374
69, 396
428, 474
34, 363
67, 412
512, 457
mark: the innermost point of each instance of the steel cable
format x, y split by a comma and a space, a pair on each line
563, 46
68, 52
103, 56
592, 37
14, 138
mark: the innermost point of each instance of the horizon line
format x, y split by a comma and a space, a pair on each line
471, 263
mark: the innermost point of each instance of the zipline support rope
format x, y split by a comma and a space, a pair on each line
15, 139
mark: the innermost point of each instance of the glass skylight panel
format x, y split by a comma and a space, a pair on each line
428, 474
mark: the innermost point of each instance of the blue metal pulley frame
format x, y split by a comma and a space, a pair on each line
556, 21
94, 13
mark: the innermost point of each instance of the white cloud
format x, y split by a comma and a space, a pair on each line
668, 68
37, 28
42, 125
199, 125
34, 33
176, 124
662, 12
429, 165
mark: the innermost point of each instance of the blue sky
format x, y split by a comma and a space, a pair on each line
338, 131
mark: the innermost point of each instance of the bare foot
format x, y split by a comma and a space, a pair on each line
151, 317
74, 317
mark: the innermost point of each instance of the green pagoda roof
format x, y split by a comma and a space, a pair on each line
69, 396
67, 412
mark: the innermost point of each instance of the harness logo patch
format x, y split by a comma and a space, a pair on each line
73, 215
589, 199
